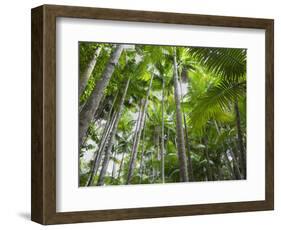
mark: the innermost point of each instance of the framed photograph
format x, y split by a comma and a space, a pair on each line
139, 114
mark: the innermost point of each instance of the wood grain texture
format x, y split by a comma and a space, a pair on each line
37, 115
269, 114
43, 188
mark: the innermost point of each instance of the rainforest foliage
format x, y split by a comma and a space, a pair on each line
161, 114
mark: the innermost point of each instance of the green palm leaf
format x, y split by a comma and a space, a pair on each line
230, 63
216, 102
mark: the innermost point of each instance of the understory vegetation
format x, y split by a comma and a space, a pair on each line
161, 114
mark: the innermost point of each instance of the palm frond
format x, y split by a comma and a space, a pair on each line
216, 102
230, 63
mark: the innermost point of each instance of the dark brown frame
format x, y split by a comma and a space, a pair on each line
43, 188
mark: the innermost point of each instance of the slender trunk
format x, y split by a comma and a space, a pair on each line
113, 166
138, 135
163, 137
138, 123
106, 131
167, 141
104, 101
103, 148
157, 131
141, 167
242, 157
179, 129
152, 168
87, 73
89, 110
142, 153
100, 151
235, 164
189, 160
228, 163
209, 169
220, 174
112, 137
121, 165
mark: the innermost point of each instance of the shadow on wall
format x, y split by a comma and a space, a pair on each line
25, 215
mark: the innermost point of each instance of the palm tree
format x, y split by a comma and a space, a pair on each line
240, 139
138, 132
102, 143
189, 160
230, 66
87, 73
162, 135
112, 136
93, 102
180, 135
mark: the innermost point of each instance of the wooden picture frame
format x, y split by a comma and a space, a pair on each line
43, 207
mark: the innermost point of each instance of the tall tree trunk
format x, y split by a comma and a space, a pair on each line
106, 131
138, 123
103, 148
138, 135
235, 164
224, 149
242, 157
228, 164
167, 141
121, 165
113, 166
87, 73
209, 169
157, 131
142, 153
162, 136
189, 160
89, 110
152, 169
179, 129
220, 175
112, 137
100, 151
